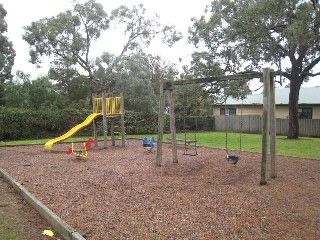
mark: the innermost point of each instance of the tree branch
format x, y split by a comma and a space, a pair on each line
285, 74
308, 68
313, 74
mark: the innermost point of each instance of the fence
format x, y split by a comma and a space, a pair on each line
252, 124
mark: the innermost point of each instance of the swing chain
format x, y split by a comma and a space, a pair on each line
233, 159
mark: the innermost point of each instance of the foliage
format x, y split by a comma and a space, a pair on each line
244, 35
140, 123
139, 30
43, 93
28, 124
7, 54
17, 123
137, 79
68, 39
37, 94
191, 104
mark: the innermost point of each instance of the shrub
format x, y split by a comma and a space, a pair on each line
16, 123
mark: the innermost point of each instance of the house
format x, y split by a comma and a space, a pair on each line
309, 104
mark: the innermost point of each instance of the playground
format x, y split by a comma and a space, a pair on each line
120, 193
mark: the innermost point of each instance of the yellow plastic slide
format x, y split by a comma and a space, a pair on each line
72, 131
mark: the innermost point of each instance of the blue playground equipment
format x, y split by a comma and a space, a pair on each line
148, 146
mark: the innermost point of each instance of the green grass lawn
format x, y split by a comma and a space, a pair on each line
303, 147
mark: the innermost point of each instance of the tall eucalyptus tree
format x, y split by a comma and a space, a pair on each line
244, 35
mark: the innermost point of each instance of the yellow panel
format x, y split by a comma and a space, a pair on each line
113, 105
98, 105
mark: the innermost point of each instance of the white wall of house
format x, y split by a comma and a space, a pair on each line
282, 111
316, 112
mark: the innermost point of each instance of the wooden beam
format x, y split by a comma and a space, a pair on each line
239, 77
273, 130
104, 120
95, 124
123, 132
173, 127
160, 124
265, 125
113, 142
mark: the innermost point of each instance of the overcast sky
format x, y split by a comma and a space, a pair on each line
21, 13
172, 12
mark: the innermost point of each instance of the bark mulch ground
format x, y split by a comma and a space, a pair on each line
120, 193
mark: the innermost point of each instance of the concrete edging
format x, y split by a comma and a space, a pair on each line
61, 227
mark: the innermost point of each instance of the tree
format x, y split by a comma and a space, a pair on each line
139, 30
134, 83
137, 79
7, 54
203, 64
243, 35
40, 93
67, 40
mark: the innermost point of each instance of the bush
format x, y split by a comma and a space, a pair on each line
16, 124
140, 123
198, 123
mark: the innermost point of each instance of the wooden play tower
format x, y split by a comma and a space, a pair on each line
111, 108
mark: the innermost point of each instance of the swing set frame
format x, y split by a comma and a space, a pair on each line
268, 116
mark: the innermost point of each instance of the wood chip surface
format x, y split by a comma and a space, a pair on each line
120, 193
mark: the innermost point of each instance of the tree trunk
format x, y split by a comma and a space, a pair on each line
293, 131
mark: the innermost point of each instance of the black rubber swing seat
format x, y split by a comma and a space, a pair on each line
232, 159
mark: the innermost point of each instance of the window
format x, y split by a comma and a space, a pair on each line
230, 111
305, 113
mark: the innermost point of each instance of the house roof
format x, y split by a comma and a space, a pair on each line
308, 95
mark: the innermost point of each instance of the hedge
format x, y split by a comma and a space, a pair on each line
16, 124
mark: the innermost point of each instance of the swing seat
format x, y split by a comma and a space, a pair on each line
190, 153
233, 159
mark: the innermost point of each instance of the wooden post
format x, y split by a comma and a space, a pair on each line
272, 127
172, 126
95, 125
160, 124
113, 142
104, 120
265, 125
123, 133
